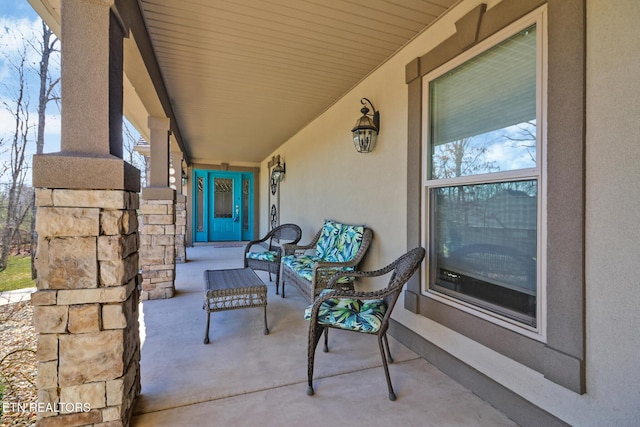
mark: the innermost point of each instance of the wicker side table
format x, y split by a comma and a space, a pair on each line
232, 289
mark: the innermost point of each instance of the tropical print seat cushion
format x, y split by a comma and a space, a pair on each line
350, 313
270, 256
339, 242
303, 266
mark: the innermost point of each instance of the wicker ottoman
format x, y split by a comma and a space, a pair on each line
232, 289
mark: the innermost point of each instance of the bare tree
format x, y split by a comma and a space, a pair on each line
3, 170
460, 158
527, 140
17, 166
48, 86
48, 83
130, 139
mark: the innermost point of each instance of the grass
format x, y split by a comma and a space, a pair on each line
17, 274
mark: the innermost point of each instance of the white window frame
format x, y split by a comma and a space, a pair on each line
539, 18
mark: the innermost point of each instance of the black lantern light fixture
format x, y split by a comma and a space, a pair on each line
278, 171
365, 132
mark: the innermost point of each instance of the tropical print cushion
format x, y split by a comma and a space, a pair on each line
350, 313
349, 242
339, 242
328, 239
263, 256
303, 266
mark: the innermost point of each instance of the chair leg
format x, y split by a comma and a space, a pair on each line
277, 282
315, 332
386, 344
392, 395
266, 328
326, 340
206, 332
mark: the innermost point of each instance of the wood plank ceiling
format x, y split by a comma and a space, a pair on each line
243, 76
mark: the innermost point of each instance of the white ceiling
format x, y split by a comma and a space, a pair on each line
243, 76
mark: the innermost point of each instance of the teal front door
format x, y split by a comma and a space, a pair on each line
223, 206
225, 221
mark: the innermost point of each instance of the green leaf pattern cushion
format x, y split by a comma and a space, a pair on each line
339, 242
303, 266
350, 313
328, 238
349, 242
263, 256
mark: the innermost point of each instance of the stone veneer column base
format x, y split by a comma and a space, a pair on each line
85, 309
181, 229
158, 248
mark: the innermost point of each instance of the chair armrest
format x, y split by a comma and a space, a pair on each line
292, 249
323, 271
381, 272
247, 248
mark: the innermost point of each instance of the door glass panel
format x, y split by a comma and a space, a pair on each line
200, 204
245, 205
223, 198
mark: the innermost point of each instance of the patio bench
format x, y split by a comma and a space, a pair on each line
338, 248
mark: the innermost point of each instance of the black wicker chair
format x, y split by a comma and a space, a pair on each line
342, 309
268, 259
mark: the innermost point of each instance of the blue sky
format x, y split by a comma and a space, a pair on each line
18, 21
18, 9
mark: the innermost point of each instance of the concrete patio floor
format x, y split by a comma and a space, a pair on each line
245, 378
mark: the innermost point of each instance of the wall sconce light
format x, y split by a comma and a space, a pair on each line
365, 132
185, 178
277, 174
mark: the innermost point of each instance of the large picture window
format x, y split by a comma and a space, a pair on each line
483, 178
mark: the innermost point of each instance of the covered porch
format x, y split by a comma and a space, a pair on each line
243, 377
241, 87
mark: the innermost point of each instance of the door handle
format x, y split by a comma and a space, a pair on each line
236, 218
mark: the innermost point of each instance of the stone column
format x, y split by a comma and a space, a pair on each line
158, 218
181, 209
181, 228
86, 306
86, 303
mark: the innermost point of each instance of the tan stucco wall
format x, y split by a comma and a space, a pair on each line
613, 209
342, 184
327, 178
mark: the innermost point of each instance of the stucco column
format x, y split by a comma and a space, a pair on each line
86, 303
159, 146
158, 219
